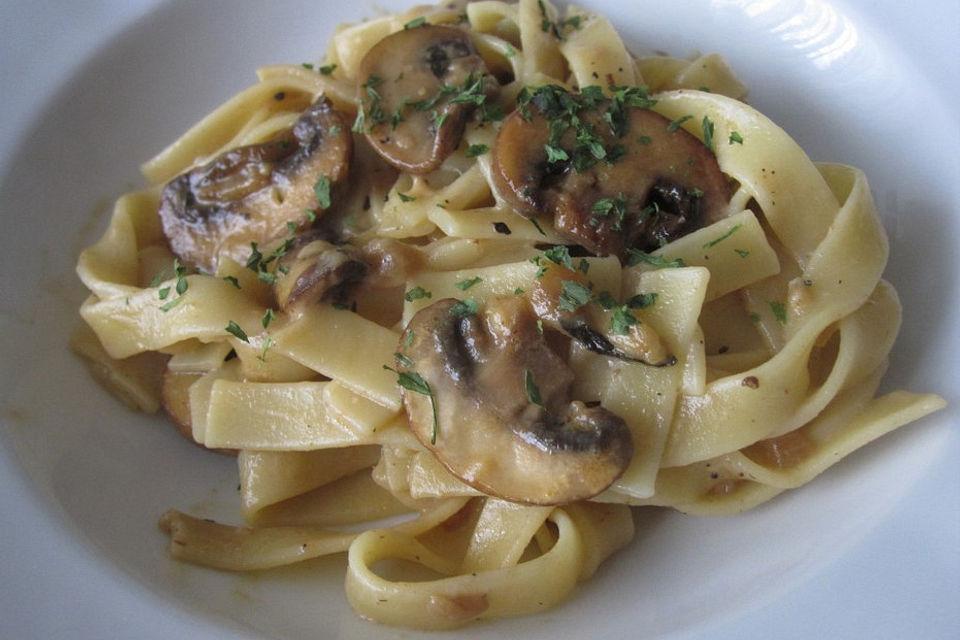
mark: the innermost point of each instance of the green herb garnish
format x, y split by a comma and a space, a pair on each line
573, 295
416, 293
465, 307
675, 124
642, 300
720, 239
240, 334
475, 150
779, 311
621, 320
635, 257
463, 285
268, 317
322, 191
533, 391
413, 381
707, 127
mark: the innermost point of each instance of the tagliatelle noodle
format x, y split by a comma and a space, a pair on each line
776, 316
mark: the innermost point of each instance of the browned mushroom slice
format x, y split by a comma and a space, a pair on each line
614, 175
252, 193
417, 88
564, 300
317, 270
488, 397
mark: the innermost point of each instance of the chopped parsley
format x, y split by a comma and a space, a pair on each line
555, 154
720, 239
707, 127
416, 293
635, 257
533, 391
573, 295
465, 307
327, 69
234, 329
563, 112
614, 208
413, 381
405, 198
536, 225
463, 285
675, 124
621, 320
267, 345
735, 137
181, 287
253, 261
416, 22
268, 317
558, 29
475, 150
642, 300
779, 311
606, 300
322, 191
560, 255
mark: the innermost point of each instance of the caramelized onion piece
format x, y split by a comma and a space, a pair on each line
252, 193
498, 413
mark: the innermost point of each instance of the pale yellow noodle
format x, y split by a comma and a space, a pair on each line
777, 316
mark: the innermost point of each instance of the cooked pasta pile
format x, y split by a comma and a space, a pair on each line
467, 291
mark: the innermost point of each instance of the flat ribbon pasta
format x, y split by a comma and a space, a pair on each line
773, 313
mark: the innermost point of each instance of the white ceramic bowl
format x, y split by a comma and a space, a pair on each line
90, 89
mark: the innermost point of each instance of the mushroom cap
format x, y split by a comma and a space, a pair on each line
417, 87
652, 183
498, 414
251, 193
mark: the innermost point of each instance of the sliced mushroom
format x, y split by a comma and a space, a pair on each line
610, 331
613, 174
252, 193
417, 88
317, 270
497, 410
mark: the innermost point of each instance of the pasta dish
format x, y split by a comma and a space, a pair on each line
464, 293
